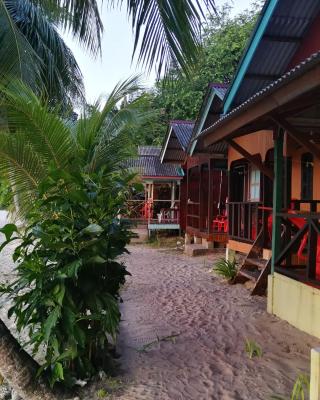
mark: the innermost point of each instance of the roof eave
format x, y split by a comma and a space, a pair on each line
264, 104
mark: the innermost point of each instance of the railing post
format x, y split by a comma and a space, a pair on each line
277, 195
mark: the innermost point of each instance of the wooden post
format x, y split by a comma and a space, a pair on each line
315, 374
173, 193
211, 196
277, 195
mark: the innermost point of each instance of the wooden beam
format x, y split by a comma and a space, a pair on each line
253, 160
297, 136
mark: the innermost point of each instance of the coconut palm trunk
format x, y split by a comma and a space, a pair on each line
19, 369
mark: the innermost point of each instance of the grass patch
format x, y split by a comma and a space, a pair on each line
300, 391
102, 394
252, 349
226, 268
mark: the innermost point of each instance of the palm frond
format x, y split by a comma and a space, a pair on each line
80, 17
17, 58
102, 126
114, 145
59, 69
167, 31
23, 166
42, 129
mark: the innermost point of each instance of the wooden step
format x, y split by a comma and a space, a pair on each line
257, 262
253, 275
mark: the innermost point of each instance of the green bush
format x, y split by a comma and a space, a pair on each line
226, 268
68, 272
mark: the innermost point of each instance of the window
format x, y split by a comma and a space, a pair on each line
254, 187
306, 176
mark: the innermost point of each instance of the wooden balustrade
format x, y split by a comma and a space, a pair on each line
244, 220
299, 255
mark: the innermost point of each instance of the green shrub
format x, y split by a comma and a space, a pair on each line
226, 268
68, 273
252, 349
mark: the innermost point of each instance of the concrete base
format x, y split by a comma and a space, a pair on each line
207, 244
187, 239
193, 250
295, 302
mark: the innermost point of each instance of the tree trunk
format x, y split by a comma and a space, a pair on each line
19, 369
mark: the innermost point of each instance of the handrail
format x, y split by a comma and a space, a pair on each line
299, 256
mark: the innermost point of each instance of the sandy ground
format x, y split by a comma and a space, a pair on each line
170, 294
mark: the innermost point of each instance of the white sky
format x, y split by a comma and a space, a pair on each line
101, 74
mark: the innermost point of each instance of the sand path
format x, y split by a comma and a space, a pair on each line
170, 293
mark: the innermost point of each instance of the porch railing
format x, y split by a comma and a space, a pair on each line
152, 212
244, 220
299, 256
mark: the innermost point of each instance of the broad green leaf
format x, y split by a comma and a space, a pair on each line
8, 230
92, 229
72, 269
58, 371
51, 322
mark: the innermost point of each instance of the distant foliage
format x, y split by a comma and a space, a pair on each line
69, 276
226, 268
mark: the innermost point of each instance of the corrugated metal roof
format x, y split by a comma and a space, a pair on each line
148, 164
202, 121
219, 88
281, 39
293, 73
149, 150
183, 131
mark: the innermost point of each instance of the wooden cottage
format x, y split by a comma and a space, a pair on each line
204, 187
271, 123
159, 205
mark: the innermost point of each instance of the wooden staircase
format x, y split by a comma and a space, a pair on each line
255, 268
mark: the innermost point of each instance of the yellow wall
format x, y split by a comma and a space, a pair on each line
295, 302
255, 143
